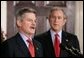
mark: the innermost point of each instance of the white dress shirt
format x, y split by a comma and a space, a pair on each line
53, 35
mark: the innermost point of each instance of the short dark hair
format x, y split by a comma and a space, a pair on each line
20, 12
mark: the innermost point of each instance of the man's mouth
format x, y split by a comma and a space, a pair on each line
55, 24
32, 27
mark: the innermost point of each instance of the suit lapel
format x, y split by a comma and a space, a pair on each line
64, 37
50, 51
22, 46
64, 41
36, 47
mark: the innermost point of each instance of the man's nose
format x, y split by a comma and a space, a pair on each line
34, 22
56, 19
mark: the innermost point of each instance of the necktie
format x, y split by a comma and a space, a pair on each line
31, 48
57, 46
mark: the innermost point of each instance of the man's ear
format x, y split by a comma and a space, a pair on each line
18, 23
65, 21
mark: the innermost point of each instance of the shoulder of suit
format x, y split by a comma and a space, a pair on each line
10, 40
42, 34
69, 34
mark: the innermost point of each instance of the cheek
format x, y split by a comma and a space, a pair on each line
51, 21
25, 25
62, 23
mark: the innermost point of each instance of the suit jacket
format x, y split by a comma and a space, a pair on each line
46, 41
15, 47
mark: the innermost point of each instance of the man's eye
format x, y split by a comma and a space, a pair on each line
29, 20
59, 17
35, 21
52, 17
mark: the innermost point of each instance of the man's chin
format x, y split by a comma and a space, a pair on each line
32, 32
55, 29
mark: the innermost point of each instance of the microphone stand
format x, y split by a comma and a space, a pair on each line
71, 50
76, 51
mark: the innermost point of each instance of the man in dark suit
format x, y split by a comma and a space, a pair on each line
23, 44
57, 20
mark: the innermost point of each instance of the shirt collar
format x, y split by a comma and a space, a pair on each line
25, 38
53, 35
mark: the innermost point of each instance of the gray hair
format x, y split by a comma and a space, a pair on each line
22, 11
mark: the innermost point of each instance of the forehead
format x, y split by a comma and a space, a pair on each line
57, 12
30, 15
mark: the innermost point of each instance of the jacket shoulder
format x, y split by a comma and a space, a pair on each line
47, 33
69, 34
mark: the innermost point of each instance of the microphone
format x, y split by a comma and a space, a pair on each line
67, 49
76, 51
71, 50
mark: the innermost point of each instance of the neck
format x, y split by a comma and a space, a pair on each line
56, 31
28, 35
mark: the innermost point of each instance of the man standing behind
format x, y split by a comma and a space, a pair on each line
56, 42
22, 44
